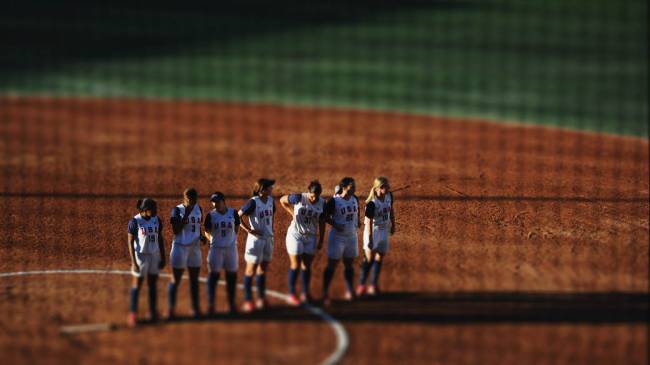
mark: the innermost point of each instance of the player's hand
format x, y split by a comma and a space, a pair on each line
135, 268
185, 220
256, 233
370, 244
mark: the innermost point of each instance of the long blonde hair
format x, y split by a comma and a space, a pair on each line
379, 181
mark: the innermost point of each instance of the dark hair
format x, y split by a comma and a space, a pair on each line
190, 193
261, 184
346, 181
315, 187
146, 203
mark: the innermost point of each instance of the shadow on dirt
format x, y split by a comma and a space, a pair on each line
465, 308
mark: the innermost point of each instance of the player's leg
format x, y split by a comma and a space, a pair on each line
262, 269
194, 269
305, 275
252, 257
172, 289
350, 253
231, 264
178, 261
366, 264
373, 289
215, 263
378, 259
294, 249
328, 274
134, 292
348, 275
152, 282
294, 269
334, 255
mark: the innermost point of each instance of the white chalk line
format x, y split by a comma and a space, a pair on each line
342, 340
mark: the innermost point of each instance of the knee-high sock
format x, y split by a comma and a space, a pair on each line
171, 295
194, 294
261, 286
133, 300
231, 287
349, 278
365, 269
376, 270
328, 274
153, 297
305, 276
248, 288
213, 279
293, 276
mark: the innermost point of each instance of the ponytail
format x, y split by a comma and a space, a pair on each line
379, 181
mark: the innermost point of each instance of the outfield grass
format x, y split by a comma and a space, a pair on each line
572, 63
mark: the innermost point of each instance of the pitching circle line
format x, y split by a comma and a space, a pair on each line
342, 340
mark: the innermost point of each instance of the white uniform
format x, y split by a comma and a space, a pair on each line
186, 246
345, 213
223, 247
379, 211
145, 244
260, 217
303, 230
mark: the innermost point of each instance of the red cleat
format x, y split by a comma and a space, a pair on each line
349, 296
261, 303
131, 319
361, 290
305, 298
247, 307
293, 301
373, 290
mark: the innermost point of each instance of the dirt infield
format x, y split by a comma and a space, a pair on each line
496, 216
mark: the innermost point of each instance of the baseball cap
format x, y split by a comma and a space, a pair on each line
216, 196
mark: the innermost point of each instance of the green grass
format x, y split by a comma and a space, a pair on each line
580, 64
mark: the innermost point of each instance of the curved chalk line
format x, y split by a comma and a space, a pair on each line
342, 340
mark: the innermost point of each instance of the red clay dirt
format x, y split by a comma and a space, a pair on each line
495, 216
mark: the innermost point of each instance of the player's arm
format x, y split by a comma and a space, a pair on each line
392, 214
247, 210
176, 220
202, 235
161, 245
358, 212
133, 231
368, 220
237, 223
321, 230
207, 227
284, 201
328, 213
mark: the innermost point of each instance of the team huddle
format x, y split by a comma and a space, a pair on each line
310, 215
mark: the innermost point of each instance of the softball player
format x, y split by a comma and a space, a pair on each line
308, 221
342, 213
221, 227
186, 250
379, 222
259, 243
147, 251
